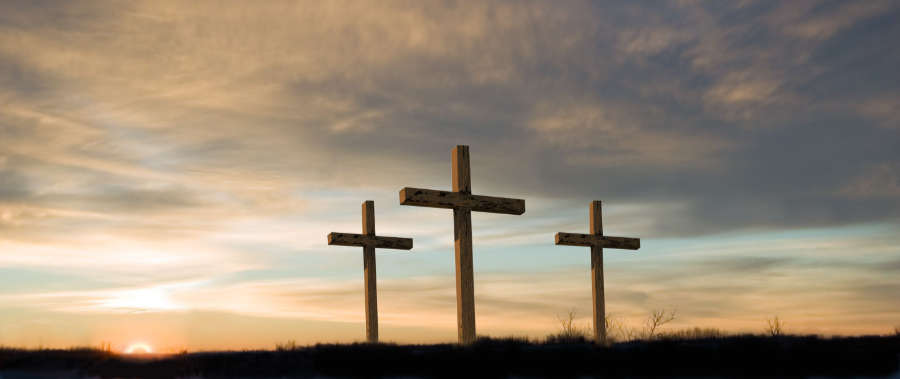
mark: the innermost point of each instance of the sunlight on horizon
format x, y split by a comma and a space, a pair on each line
138, 348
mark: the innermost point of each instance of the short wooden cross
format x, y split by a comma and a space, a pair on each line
597, 241
463, 202
369, 242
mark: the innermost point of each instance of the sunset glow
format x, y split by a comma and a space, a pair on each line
138, 348
169, 171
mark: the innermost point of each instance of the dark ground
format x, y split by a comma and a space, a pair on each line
790, 356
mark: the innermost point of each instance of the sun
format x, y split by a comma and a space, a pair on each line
139, 348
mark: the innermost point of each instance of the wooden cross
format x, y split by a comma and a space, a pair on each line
597, 241
463, 202
369, 242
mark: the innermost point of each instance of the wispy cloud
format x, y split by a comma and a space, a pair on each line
147, 145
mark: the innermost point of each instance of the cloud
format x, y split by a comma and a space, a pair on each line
802, 19
883, 109
14, 186
880, 181
744, 264
735, 293
609, 135
437, 76
212, 140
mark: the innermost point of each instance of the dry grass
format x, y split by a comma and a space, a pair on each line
774, 327
693, 334
617, 331
569, 332
290, 345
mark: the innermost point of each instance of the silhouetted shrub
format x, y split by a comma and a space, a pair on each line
656, 320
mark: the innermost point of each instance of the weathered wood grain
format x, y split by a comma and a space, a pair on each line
462, 243
459, 171
597, 242
575, 239
620, 243
369, 241
596, 218
465, 275
597, 294
348, 239
371, 289
588, 240
380, 242
463, 203
368, 218
396, 243
369, 272
452, 200
597, 290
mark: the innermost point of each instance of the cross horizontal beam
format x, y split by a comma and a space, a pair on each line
350, 239
457, 200
576, 239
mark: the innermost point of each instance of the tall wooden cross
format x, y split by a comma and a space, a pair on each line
369, 242
463, 202
597, 241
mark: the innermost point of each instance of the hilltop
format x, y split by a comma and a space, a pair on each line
726, 356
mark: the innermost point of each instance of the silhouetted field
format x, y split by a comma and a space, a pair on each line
727, 356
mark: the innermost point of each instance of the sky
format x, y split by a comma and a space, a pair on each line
169, 171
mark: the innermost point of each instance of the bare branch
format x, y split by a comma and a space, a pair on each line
656, 320
569, 331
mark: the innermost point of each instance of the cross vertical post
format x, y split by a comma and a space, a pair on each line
368, 228
597, 241
369, 242
462, 231
462, 202
597, 274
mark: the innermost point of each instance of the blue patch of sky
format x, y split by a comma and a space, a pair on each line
343, 263
23, 280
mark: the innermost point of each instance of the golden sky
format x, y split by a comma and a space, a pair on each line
169, 171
